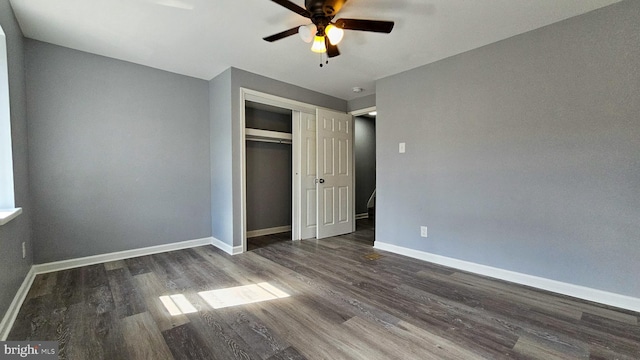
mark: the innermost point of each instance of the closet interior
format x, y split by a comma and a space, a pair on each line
269, 157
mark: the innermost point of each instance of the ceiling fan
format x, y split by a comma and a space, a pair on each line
325, 33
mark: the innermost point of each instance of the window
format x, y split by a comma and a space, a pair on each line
7, 199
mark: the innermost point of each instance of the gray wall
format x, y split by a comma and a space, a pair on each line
365, 152
269, 185
221, 149
220, 118
119, 154
13, 268
522, 155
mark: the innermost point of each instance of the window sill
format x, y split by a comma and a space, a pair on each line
7, 215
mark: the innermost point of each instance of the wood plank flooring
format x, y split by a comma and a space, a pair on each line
267, 240
336, 298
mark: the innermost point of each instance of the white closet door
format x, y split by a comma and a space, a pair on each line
308, 204
335, 173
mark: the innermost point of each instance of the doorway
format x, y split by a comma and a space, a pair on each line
365, 165
331, 155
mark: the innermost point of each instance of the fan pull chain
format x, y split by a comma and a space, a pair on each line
326, 61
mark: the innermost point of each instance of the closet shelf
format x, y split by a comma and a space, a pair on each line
267, 136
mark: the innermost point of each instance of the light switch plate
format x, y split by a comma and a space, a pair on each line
423, 231
401, 148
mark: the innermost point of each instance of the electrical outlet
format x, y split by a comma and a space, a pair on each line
423, 231
24, 250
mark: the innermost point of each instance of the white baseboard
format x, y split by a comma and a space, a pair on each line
120, 255
11, 314
269, 231
231, 250
581, 292
362, 216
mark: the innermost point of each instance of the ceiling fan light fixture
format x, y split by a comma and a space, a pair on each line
306, 32
324, 33
318, 45
334, 34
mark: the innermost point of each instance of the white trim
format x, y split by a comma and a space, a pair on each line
12, 313
364, 111
353, 172
273, 100
231, 250
581, 292
243, 179
7, 198
120, 255
7, 215
269, 231
362, 216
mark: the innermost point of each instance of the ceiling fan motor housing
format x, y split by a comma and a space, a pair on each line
324, 7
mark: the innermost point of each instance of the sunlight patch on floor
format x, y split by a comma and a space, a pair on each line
177, 304
222, 298
241, 295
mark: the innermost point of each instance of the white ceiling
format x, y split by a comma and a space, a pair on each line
202, 38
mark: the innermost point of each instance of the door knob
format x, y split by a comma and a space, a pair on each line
321, 181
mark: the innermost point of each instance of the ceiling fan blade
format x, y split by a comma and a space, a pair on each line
332, 50
365, 25
293, 7
282, 35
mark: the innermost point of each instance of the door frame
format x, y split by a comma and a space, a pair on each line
296, 107
355, 113
364, 111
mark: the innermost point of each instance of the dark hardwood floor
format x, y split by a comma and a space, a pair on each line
336, 298
365, 229
267, 240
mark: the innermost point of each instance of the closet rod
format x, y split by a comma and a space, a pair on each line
268, 136
276, 141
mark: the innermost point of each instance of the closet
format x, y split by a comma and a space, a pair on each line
296, 170
269, 156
